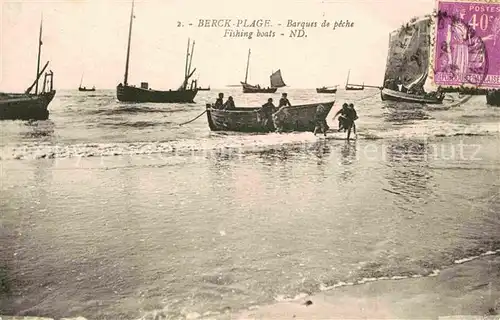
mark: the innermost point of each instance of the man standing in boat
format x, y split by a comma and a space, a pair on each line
284, 101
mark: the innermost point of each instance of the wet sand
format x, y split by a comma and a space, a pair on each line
468, 289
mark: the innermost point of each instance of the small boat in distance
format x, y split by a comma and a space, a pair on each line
493, 98
326, 90
204, 89
127, 93
28, 106
353, 87
276, 82
80, 88
249, 119
85, 89
404, 82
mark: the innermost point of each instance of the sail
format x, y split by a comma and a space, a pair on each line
277, 80
408, 55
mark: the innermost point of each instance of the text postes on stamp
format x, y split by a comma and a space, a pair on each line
467, 44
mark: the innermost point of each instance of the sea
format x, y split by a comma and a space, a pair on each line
116, 210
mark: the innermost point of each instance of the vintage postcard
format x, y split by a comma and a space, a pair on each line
228, 159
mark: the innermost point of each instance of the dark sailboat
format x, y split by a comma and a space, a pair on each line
493, 98
407, 65
127, 93
80, 88
28, 106
353, 87
276, 82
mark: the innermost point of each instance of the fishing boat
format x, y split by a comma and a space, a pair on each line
353, 87
28, 106
276, 82
184, 94
407, 64
250, 119
326, 90
493, 98
80, 88
203, 89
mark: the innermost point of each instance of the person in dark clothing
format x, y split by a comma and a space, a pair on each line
284, 101
320, 120
229, 105
341, 112
267, 111
347, 117
219, 103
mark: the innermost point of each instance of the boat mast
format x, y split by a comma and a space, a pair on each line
39, 53
190, 59
81, 80
348, 73
248, 63
125, 79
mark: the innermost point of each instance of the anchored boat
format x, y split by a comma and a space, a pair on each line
80, 88
251, 119
407, 64
28, 106
353, 87
125, 92
326, 90
276, 82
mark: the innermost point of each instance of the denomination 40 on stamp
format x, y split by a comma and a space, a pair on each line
467, 44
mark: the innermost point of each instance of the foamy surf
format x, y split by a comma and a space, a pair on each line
240, 142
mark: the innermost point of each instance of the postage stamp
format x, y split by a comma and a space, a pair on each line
466, 46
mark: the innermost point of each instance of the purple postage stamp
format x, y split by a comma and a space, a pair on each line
467, 44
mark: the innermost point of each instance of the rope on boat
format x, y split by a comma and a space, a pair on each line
372, 95
181, 124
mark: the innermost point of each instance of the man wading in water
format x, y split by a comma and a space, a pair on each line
347, 117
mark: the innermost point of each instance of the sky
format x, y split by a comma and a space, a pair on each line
89, 37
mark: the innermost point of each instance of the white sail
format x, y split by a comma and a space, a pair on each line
277, 80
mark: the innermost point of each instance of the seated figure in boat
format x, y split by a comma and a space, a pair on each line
267, 111
219, 103
284, 101
229, 104
320, 120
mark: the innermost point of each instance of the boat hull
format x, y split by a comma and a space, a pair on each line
86, 90
298, 118
392, 95
493, 98
323, 90
354, 88
134, 94
25, 106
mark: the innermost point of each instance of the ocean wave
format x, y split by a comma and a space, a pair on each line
216, 141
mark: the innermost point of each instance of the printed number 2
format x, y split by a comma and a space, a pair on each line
483, 21
179, 24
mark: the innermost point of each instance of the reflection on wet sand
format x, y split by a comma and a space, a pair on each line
348, 155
